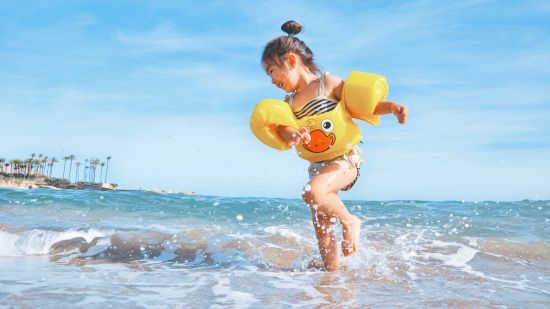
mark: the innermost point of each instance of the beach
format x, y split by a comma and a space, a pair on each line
136, 249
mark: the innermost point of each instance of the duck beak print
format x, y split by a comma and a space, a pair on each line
320, 141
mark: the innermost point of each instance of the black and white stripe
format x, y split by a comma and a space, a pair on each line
316, 107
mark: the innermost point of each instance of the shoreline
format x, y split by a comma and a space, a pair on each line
54, 184
42, 183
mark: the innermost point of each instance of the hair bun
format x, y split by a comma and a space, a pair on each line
291, 27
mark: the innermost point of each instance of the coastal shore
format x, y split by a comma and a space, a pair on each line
62, 185
53, 183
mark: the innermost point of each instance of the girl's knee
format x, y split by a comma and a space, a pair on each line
313, 195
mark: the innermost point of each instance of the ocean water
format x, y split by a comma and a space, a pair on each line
129, 249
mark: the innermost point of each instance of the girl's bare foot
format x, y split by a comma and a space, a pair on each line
352, 232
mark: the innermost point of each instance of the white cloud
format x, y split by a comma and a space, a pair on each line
168, 38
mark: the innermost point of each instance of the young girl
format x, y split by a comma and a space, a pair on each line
289, 63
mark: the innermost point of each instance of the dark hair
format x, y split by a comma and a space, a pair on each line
278, 47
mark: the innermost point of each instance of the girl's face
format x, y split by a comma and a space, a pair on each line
282, 76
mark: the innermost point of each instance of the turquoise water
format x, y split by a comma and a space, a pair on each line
140, 249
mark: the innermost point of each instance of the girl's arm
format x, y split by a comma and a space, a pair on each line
399, 110
384, 107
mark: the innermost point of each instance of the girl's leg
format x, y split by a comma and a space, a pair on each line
325, 238
323, 198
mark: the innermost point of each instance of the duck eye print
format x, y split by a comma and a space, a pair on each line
327, 125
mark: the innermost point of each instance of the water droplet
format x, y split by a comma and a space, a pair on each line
466, 225
307, 188
239, 217
216, 203
101, 197
332, 219
142, 248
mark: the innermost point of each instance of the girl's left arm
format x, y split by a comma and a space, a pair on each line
400, 111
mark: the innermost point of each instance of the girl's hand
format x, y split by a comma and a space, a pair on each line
400, 111
293, 137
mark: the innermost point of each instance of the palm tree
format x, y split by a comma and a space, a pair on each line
52, 162
77, 164
35, 164
71, 157
107, 168
2, 160
33, 155
12, 167
91, 177
90, 169
101, 173
6, 165
10, 164
16, 165
86, 170
28, 167
64, 165
44, 164
95, 163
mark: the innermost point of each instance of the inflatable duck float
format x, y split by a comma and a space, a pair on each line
333, 133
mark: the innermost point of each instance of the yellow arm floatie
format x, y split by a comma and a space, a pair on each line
361, 93
266, 116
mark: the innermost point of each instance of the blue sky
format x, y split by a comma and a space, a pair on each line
166, 89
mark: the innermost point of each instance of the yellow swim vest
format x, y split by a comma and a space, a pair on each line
332, 133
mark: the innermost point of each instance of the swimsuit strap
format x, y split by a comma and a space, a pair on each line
322, 85
321, 89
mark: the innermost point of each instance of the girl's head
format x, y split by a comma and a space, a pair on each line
284, 54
